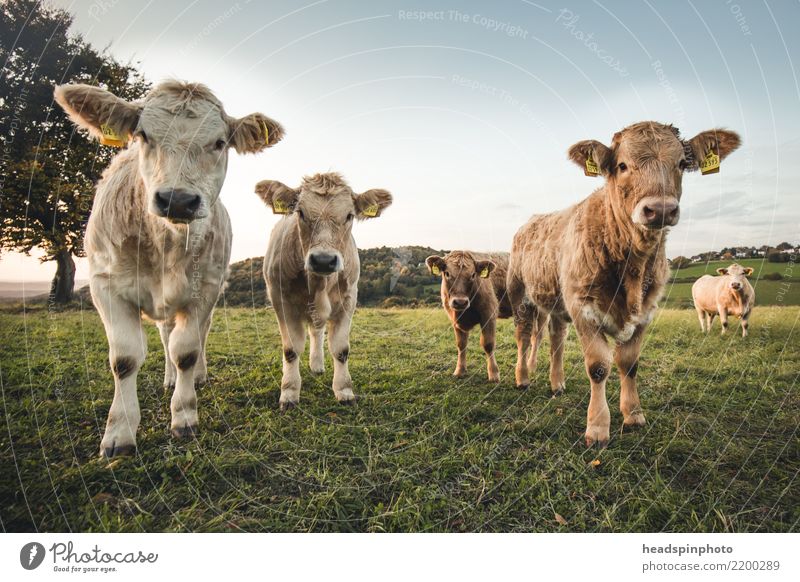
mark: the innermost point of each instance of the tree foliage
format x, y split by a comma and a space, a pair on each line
48, 168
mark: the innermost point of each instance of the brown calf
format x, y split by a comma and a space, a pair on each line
601, 262
473, 293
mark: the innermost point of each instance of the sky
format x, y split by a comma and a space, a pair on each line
465, 110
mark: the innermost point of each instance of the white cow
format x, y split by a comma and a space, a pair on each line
729, 294
158, 239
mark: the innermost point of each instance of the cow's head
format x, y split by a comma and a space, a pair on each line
461, 276
644, 168
182, 135
323, 208
737, 275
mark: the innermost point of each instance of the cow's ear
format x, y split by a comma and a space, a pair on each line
748, 271
372, 203
484, 268
108, 118
253, 133
594, 158
722, 271
277, 196
435, 264
709, 148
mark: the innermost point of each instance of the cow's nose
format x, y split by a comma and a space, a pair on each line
736, 286
323, 263
459, 302
177, 204
661, 213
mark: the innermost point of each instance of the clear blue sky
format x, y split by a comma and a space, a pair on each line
466, 114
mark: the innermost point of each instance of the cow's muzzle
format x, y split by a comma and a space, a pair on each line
735, 285
177, 205
657, 212
459, 303
323, 262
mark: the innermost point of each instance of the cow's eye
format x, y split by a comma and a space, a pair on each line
350, 217
623, 167
301, 215
447, 274
142, 136
219, 144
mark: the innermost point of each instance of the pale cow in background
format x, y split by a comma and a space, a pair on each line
601, 262
729, 294
158, 239
312, 268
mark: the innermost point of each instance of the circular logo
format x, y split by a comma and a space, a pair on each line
31, 555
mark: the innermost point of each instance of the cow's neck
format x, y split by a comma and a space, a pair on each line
631, 250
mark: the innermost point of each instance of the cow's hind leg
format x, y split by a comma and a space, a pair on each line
626, 357
487, 343
558, 335
537, 333
710, 315
127, 345
339, 346
170, 372
524, 313
597, 357
316, 356
701, 315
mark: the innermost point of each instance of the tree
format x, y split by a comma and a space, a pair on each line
784, 246
48, 169
681, 262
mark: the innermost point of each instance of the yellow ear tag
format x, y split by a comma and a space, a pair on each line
435, 270
266, 136
111, 137
484, 273
370, 211
710, 164
279, 206
591, 167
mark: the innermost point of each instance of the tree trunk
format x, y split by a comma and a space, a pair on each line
61, 290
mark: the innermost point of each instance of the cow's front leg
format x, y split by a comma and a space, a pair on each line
523, 324
462, 339
626, 356
745, 324
316, 357
339, 346
201, 368
537, 333
597, 357
293, 338
185, 350
127, 345
487, 343
723, 319
170, 372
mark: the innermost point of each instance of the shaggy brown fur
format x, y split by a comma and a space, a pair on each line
601, 262
473, 293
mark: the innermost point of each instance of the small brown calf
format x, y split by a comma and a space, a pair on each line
473, 293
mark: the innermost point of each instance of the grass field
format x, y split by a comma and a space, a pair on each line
420, 452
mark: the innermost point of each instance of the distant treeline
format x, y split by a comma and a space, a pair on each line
390, 277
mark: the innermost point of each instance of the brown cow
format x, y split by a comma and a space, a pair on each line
729, 294
601, 262
311, 268
473, 293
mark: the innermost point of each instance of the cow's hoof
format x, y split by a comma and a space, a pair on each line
523, 386
494, 380
597, 436
287, 406
349, 402
118, 451
317, 369
185, 432
459, 375
599, 443
633, 422
556, 392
